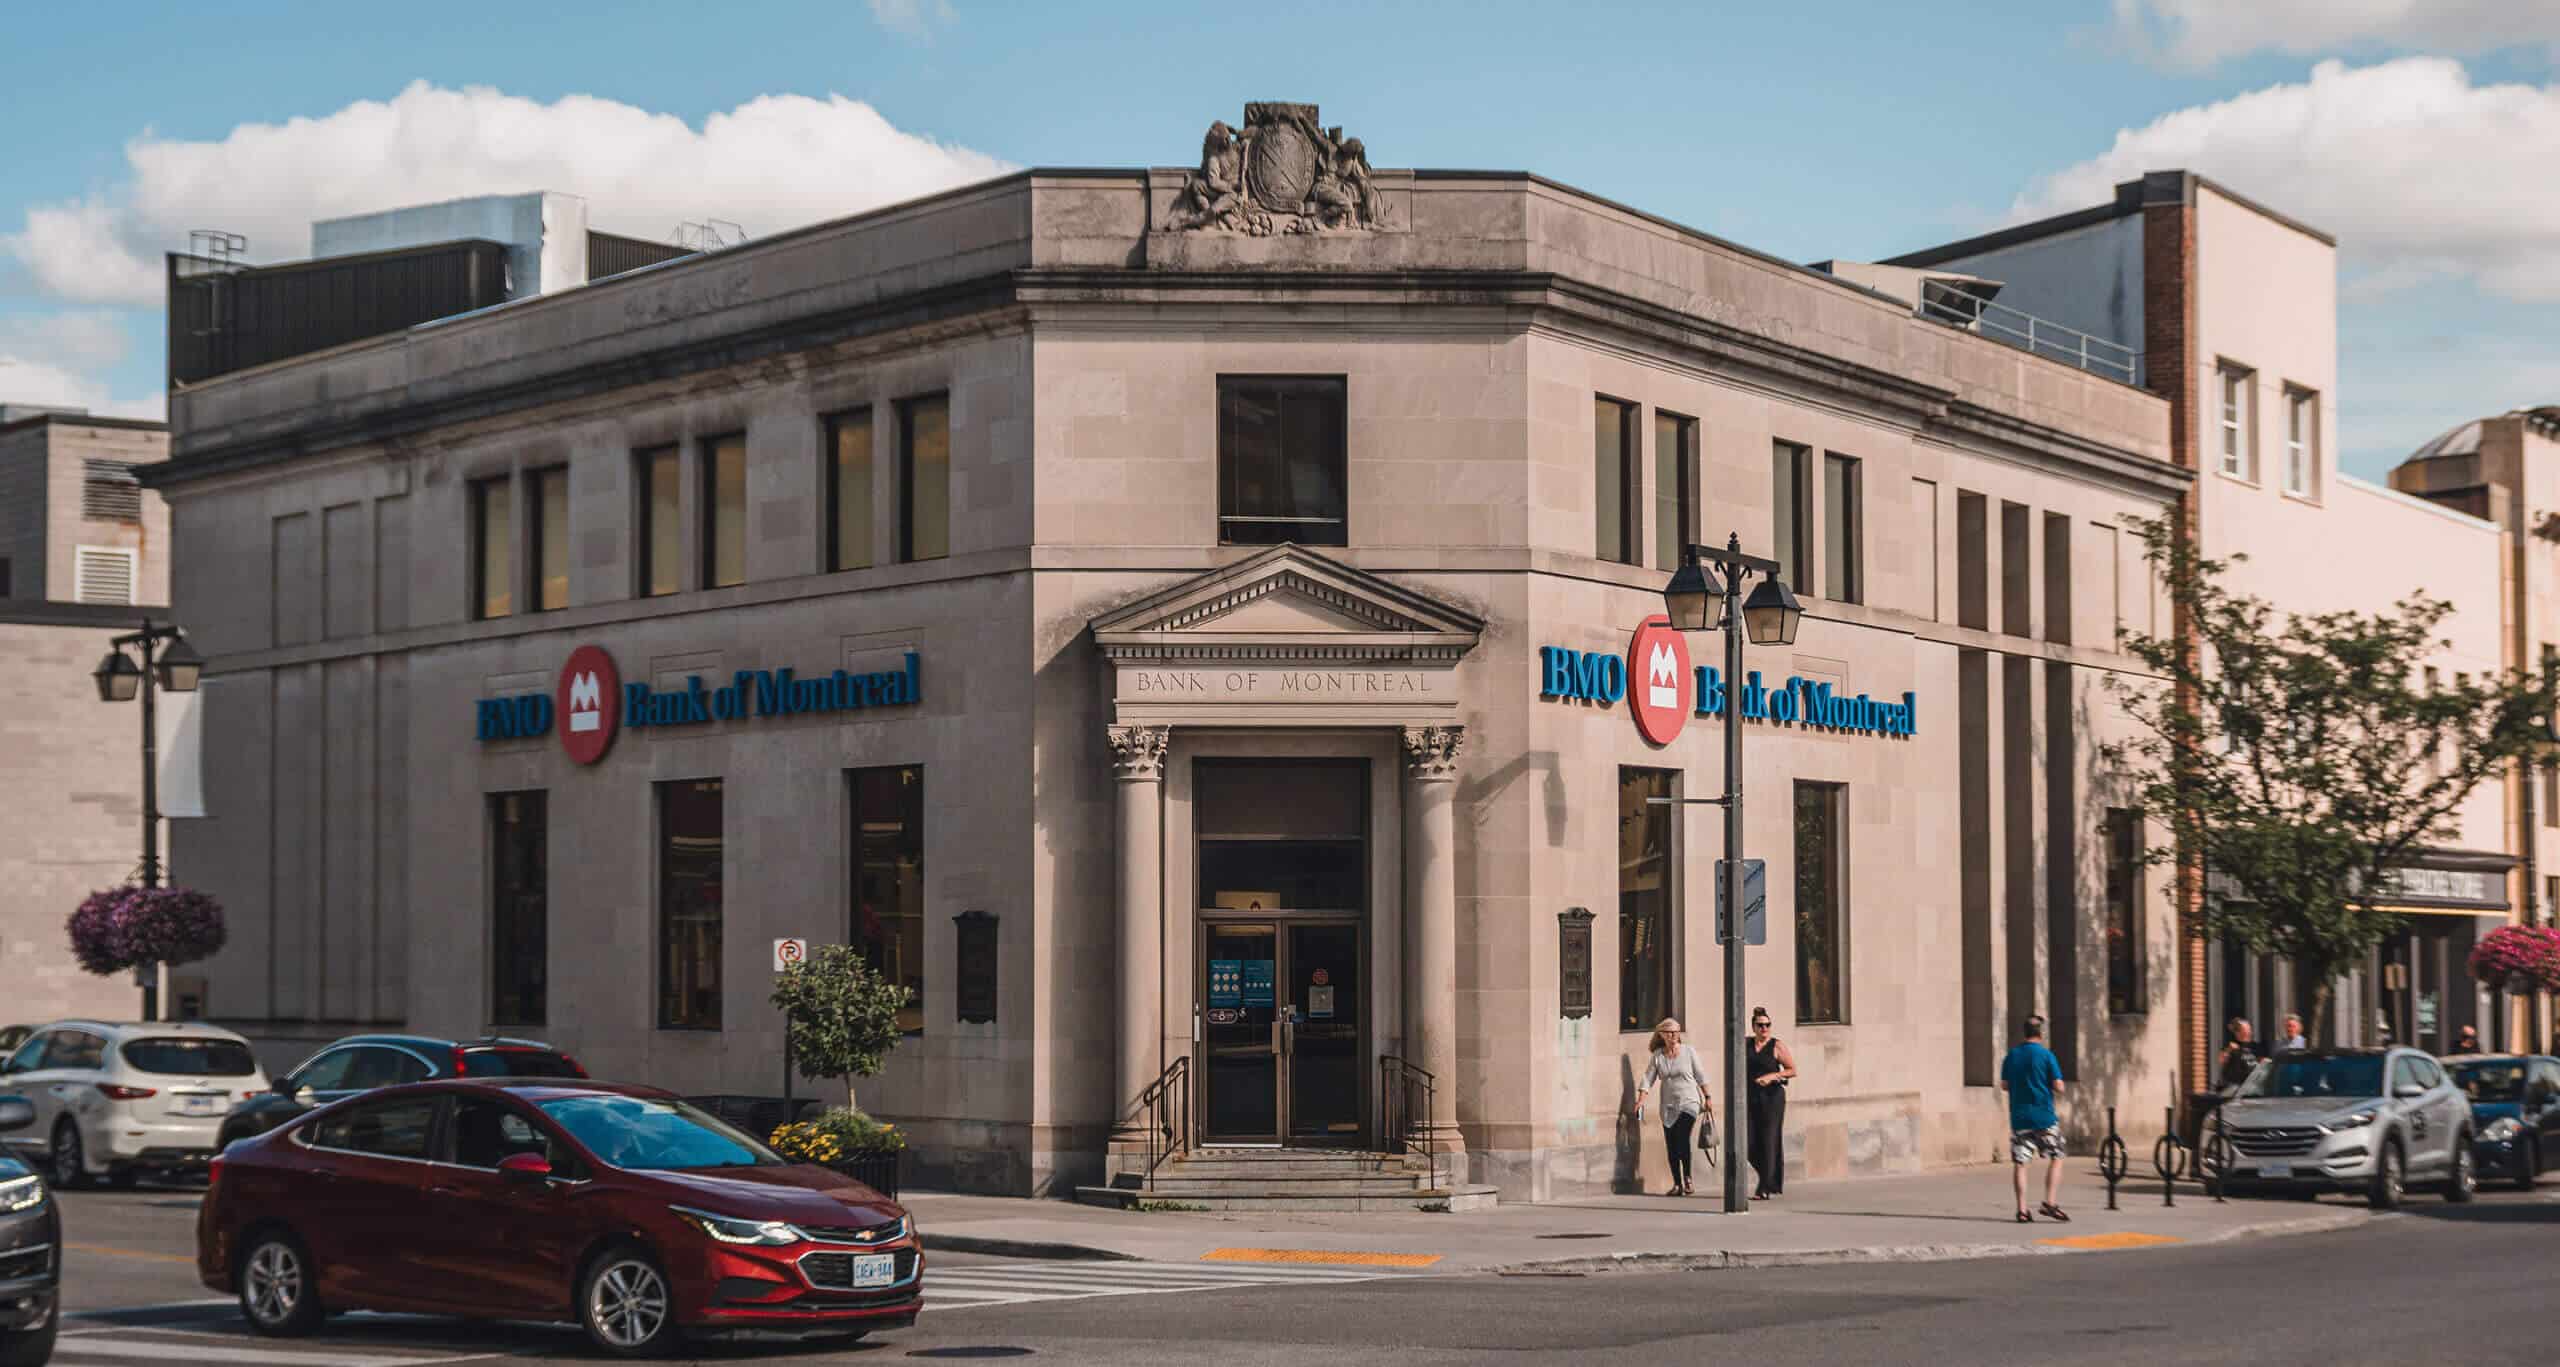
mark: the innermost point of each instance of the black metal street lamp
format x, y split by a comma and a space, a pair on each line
1769, 616
169, 662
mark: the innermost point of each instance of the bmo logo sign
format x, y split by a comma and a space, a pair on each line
584, 706
590, 694
1658, 660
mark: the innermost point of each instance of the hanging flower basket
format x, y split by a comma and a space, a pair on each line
2518, 959
119, 928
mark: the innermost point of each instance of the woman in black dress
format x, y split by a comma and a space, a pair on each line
1771, 1066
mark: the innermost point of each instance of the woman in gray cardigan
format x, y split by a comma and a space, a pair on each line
1684, 1096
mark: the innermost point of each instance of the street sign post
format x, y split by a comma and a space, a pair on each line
788, 953
1755, 903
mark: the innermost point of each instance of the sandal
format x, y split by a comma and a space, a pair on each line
2025, 1219
2051, 1211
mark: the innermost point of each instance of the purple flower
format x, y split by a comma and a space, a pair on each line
120, 928
2510, 953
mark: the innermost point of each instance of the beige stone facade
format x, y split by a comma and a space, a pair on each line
1094, 661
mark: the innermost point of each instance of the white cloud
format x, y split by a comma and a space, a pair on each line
2200, 33
2419, 173
773, 163
89, 339
913, 18
26, 379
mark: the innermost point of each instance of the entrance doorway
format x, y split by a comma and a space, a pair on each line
1282, 977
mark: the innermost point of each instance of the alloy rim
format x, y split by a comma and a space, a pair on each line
628, 1305
273, 1285
2391, 1174
2462, 1165
66, 1157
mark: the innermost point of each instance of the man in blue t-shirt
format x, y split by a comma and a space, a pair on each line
2033, 1078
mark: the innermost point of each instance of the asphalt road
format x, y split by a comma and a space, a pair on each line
2436, 1284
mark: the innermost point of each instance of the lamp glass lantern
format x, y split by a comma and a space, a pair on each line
119, 678
1771, 613
1690, 598
181, 668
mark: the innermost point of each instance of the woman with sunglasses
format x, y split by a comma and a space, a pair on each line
1684, 1096
1771, 1066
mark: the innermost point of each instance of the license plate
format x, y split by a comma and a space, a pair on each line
873, 1270
200, 1105
2275, 1170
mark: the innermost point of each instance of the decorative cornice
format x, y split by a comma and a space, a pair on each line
1431, 752
1137, 752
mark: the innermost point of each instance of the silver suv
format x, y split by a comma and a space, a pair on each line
2375, 1121
117, 1100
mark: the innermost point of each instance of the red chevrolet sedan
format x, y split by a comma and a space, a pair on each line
639, 1216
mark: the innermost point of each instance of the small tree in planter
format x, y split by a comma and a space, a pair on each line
2518, 959
842, 1019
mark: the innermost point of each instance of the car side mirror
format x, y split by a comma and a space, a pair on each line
524, 1167
2410, 1091
16, 1113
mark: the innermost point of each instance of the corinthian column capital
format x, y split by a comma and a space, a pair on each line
1431, 752
1137, 752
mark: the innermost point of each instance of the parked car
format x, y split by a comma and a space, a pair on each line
114, 1101
2515, 1113
30, 1251
2376, 1121
628, 1210
361, 1063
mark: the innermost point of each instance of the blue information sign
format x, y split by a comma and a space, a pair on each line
1257, 982
1226, 982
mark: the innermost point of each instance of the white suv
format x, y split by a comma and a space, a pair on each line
113, 1101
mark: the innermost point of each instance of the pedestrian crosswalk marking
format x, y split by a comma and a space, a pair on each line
1325, 1256
115, 1348
976, 1284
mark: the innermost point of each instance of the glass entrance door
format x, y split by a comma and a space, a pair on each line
1283, 1048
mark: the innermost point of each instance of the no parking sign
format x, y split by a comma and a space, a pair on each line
787, 953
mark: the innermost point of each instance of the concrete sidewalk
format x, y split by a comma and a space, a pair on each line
1948, 1214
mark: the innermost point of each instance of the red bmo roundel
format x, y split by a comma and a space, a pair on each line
590, 702
1659, 684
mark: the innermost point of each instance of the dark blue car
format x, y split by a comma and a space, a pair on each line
2515, 1113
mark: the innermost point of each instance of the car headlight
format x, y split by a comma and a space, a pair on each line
2348, 1122
21, 1193
729, 1229
2502, 1129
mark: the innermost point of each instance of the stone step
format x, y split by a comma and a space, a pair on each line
1456, 1200
1295, 1184
1277, 1167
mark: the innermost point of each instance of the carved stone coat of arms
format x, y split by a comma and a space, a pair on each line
1284, 172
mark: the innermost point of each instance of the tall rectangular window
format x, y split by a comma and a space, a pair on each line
1675, 487
1844, 568
924, 477
888, 881
1648, 896
724, 512
2301, 442
2550, 767
661, 523
1791, 501
2239, 445
1282, 460
2126, 938
493, 547
1822, 863
548, 500
848, 460
691, 881
1973, 560
1613, 480
2017, 577
519, 907
2057, 578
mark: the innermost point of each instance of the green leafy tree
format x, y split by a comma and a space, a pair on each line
2303, 762
841, 1015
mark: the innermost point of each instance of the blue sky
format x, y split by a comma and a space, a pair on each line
1849, 129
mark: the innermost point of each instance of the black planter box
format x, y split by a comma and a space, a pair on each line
878, 1171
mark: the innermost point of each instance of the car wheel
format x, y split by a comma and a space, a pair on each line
279, 1289
2389, 1172
70, 1162
2528, 1165
625, 1304
2464, 1181
29, 1347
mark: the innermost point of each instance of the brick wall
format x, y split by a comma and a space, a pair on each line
73, 768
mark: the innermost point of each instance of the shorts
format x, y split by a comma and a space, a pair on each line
2026, 1146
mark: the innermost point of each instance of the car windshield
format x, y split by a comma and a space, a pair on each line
2496, 1080
2313, 1075
517, 1063
654, 1133
190, 1057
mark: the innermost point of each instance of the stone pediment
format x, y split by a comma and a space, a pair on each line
1288, 603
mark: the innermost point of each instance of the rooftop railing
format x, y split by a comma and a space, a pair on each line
2025, 331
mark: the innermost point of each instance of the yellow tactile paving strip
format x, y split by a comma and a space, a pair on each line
1318, 1255
2120, 1239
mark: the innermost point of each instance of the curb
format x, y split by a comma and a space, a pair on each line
1023, 1248
1730, 1260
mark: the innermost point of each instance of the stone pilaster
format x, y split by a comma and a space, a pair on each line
1137, 762
1431, 919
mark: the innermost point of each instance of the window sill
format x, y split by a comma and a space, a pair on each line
2306, 499
2249, 481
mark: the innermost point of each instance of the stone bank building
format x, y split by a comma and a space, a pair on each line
1129, 604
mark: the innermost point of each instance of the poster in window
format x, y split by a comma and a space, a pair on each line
1226, 982
1258, 982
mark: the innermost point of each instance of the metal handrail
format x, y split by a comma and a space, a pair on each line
1399, 1131
2025, 331
1167, 1104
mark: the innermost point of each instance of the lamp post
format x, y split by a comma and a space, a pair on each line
1770, 616
169, 662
